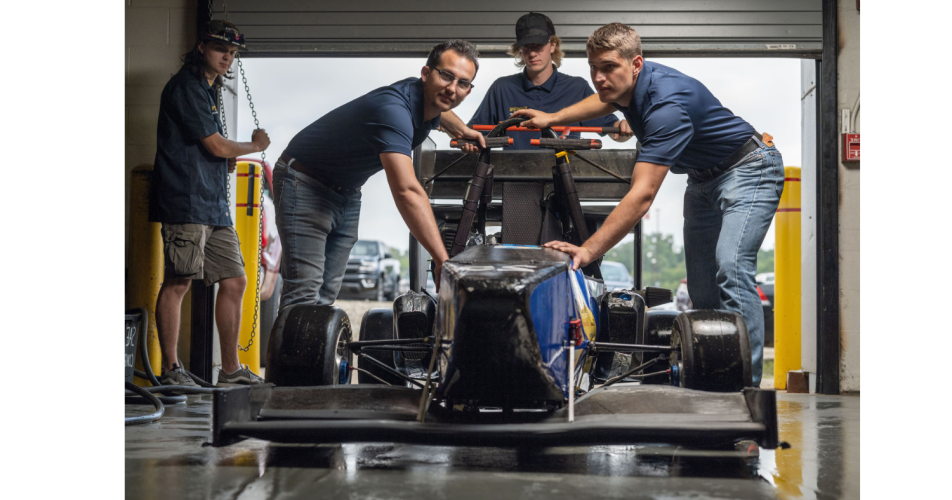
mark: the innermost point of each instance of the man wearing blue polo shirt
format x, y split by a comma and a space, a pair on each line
735, 175
317, 179
539, 86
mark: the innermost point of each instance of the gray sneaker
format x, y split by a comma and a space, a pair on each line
241, 376
177, 376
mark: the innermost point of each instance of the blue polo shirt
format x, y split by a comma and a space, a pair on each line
680, 123
189, 184
514, 92
344, 146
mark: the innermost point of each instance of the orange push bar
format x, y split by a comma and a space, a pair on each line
599, 130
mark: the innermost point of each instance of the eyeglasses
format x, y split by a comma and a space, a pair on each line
448, 78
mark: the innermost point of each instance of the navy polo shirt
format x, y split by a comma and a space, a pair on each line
344, 146
514, 92
680, 123
189, 184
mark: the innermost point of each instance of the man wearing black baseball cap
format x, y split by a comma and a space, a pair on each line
189, 186
540, 85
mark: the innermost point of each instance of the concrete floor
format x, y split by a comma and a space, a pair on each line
167, 460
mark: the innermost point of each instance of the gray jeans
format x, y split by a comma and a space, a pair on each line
318, 228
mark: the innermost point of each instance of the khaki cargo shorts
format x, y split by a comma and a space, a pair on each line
200, 252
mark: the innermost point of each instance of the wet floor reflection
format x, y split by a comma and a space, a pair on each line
822, 463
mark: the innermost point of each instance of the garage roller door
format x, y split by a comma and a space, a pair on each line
408, 28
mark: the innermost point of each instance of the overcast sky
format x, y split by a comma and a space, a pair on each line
289, 94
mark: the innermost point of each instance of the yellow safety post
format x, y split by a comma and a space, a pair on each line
787, 280
146, 264
247, 216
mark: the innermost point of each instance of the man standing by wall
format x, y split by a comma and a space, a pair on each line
539, 86
735, 175
190, 183
317, 179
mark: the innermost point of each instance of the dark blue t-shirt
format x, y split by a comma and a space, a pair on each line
680, 123
189, 184
514, 92
344, 146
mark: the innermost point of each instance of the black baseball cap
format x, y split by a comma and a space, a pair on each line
533, 28
224, 31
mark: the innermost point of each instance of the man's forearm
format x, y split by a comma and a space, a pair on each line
647, 181
233, 149
451, 123
414, 207
586, 109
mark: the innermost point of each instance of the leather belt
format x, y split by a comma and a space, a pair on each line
752, 144
309, 172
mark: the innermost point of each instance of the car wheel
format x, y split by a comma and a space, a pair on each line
711, 351
377, 324
658, 326
309, 347
381, 293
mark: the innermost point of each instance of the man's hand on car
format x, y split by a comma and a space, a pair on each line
581, 256
535, 118
260, 139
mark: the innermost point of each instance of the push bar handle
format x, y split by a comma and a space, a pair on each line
598, 130
567, 144
491, 142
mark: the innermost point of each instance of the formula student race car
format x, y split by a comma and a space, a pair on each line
518, 349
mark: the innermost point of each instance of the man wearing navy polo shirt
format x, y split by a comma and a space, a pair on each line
735, 175
317, 179
189, 186
539, 86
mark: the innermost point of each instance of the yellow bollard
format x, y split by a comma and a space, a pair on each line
787, 280
249, 234
146, 264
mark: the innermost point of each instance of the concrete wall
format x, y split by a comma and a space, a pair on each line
848, 84
158, 32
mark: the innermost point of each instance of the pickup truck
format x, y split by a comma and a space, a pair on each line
372, 273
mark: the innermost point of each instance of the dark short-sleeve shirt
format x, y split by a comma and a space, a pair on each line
514, 92
680, 123
344, 146
189, 184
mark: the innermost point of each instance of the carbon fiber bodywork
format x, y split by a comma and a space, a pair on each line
487, 331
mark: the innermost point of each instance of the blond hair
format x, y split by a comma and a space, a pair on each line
615, 36
557, 55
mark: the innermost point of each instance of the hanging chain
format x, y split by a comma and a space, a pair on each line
261, 178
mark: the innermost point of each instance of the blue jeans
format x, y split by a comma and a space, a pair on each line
318, 228
725, 221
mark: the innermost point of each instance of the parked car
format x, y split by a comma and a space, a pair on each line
372, 273
616, 276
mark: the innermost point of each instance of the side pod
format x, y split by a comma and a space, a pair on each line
413, 315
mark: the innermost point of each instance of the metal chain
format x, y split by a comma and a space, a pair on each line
261, 180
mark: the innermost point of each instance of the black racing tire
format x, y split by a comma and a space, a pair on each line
269, 314
377, 324
309, 346
711, 351
658, 326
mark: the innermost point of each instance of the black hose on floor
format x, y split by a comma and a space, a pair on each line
147, 373
145, 419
